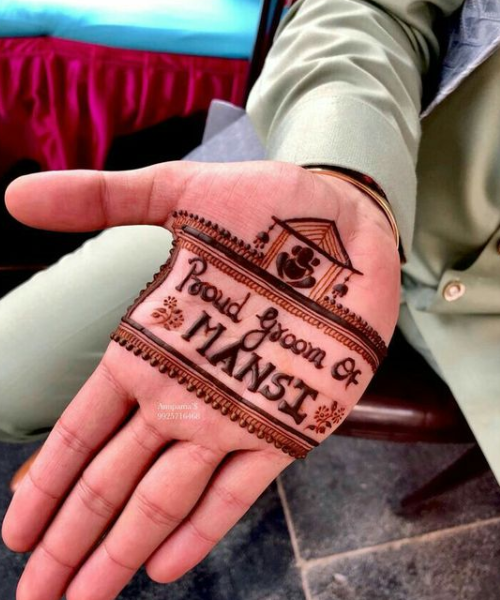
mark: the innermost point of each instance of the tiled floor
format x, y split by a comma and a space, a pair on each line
329, 531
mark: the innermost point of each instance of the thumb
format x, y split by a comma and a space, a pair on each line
91, 200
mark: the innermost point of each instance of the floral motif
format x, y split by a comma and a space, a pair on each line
327, 417
169, 315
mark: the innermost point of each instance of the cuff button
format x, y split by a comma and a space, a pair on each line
453, 290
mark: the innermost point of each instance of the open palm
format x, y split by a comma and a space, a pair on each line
247, 349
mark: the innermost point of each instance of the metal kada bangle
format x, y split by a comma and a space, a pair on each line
377, 198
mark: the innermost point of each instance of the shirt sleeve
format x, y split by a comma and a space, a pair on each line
342, 87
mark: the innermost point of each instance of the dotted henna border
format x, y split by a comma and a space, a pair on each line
224, 236
217, 399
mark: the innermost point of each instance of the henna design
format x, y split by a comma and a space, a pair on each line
288, 340
169, 315
335, 321
327, 417
346, 370
319, 238
189, 228
210, 293
300, 266
339, 290
261, 240
159, 354
229, 354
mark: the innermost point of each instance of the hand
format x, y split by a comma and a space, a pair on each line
239, 357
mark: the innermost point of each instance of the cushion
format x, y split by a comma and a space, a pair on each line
222, 28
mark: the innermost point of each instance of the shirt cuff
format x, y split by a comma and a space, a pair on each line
348, 133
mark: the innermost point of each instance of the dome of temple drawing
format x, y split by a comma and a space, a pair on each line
307, 254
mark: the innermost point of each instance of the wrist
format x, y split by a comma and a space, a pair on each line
366, 188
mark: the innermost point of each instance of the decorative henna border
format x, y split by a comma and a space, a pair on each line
257, 421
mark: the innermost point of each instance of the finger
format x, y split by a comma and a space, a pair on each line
233, 490
94, 502
161, 501
98, 409
91, 200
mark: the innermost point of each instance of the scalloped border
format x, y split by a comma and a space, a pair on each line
157, 357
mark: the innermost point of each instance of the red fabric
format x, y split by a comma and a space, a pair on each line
62, 102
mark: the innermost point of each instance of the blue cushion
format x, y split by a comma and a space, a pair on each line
224, 28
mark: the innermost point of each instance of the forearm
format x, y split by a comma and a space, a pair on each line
342, 87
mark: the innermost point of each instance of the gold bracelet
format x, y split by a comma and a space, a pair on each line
377, 198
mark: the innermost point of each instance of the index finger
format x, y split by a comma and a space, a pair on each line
96, 412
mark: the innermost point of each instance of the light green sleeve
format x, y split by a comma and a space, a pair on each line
342, 87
